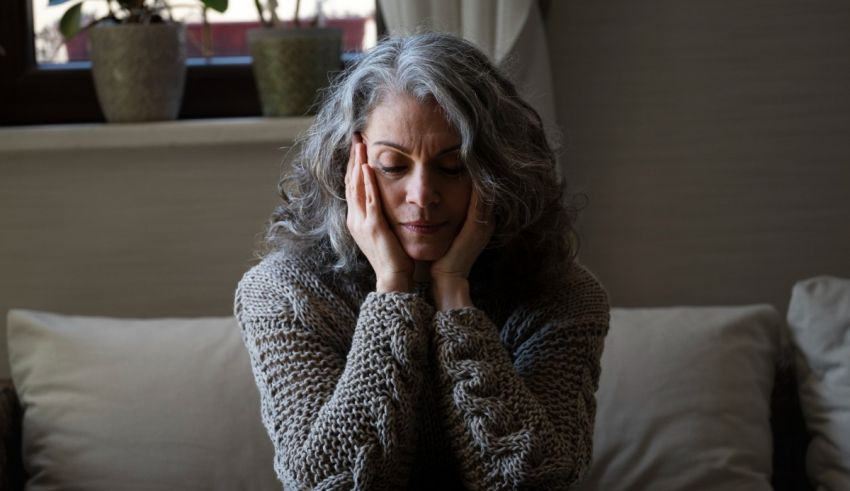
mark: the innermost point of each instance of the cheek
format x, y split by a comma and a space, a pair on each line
387, 192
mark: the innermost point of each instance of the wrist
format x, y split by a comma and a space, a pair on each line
451, 293
394, 284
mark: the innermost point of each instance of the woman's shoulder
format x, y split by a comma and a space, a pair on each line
574, 289
279, 268
285, 278
581, 292
575, 297
276, 280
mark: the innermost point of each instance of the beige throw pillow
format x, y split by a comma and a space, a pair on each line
684, 399
819, 318
144, 405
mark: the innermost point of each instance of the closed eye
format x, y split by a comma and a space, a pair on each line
392, 169
453, 171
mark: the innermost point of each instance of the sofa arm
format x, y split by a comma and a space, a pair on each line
11, 467
790, 438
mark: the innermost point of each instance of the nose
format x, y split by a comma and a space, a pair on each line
421, 189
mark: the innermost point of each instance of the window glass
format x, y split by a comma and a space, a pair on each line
227, 30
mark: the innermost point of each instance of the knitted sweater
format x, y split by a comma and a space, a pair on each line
366, 390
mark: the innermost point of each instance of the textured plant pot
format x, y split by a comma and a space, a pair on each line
292, 65
139, 70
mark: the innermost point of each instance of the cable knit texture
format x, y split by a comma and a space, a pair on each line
366, 390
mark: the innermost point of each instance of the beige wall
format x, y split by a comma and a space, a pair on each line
133, 232
713, 140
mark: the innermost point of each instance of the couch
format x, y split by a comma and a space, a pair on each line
725, 397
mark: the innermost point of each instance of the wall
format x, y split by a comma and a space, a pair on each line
157, 228
713, 140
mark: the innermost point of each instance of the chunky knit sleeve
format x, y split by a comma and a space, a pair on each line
520, 401
337, 388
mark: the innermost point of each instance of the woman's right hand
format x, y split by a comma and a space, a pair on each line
366, 223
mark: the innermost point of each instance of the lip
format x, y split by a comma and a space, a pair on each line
423, 227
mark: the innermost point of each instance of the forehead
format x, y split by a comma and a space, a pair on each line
404, 119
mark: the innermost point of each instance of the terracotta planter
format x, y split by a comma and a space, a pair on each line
292, 65
139, 70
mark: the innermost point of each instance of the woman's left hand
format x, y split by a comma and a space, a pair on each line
450, 273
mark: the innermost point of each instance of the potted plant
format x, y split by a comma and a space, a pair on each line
138, 55
292, 64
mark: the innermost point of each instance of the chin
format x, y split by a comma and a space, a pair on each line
425, 252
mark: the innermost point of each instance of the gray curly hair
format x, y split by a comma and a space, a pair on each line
503, 147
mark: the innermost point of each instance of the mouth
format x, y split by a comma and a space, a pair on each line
422, 227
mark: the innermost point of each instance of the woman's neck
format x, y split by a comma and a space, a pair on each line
422, 272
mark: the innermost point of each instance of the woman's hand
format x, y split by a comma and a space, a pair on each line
366, 223
450, 273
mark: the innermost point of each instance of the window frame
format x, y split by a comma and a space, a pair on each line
30, 94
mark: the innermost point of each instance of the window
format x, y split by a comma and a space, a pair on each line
45, 81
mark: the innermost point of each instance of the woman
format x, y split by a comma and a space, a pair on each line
420, 321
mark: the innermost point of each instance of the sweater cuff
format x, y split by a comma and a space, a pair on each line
398, 305
463, 320
466, 334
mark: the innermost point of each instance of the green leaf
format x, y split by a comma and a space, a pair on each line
260, 11
131, 4
217, 5
69, 25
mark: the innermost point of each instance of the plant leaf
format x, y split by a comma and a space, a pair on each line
260, 12
217, 5
130, 5
69, 25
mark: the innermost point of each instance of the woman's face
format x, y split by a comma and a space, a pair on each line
424, 186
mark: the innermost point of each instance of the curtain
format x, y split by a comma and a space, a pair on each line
510, 32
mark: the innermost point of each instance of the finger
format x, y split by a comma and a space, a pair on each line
373, 199
360, 162
348, 193
481, 212
352, 175
368, 188
349, 165
358, 189
473, 214
480, 225
352, 168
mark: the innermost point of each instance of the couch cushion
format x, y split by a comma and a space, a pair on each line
684, 399
124, 404
819, 318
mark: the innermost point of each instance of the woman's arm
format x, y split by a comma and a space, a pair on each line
521, 405
337, 389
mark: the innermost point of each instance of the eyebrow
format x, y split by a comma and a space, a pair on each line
407, 152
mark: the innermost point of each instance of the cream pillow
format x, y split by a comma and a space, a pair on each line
819, 318
684, 399
123, 404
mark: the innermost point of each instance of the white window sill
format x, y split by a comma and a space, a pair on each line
98, 136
